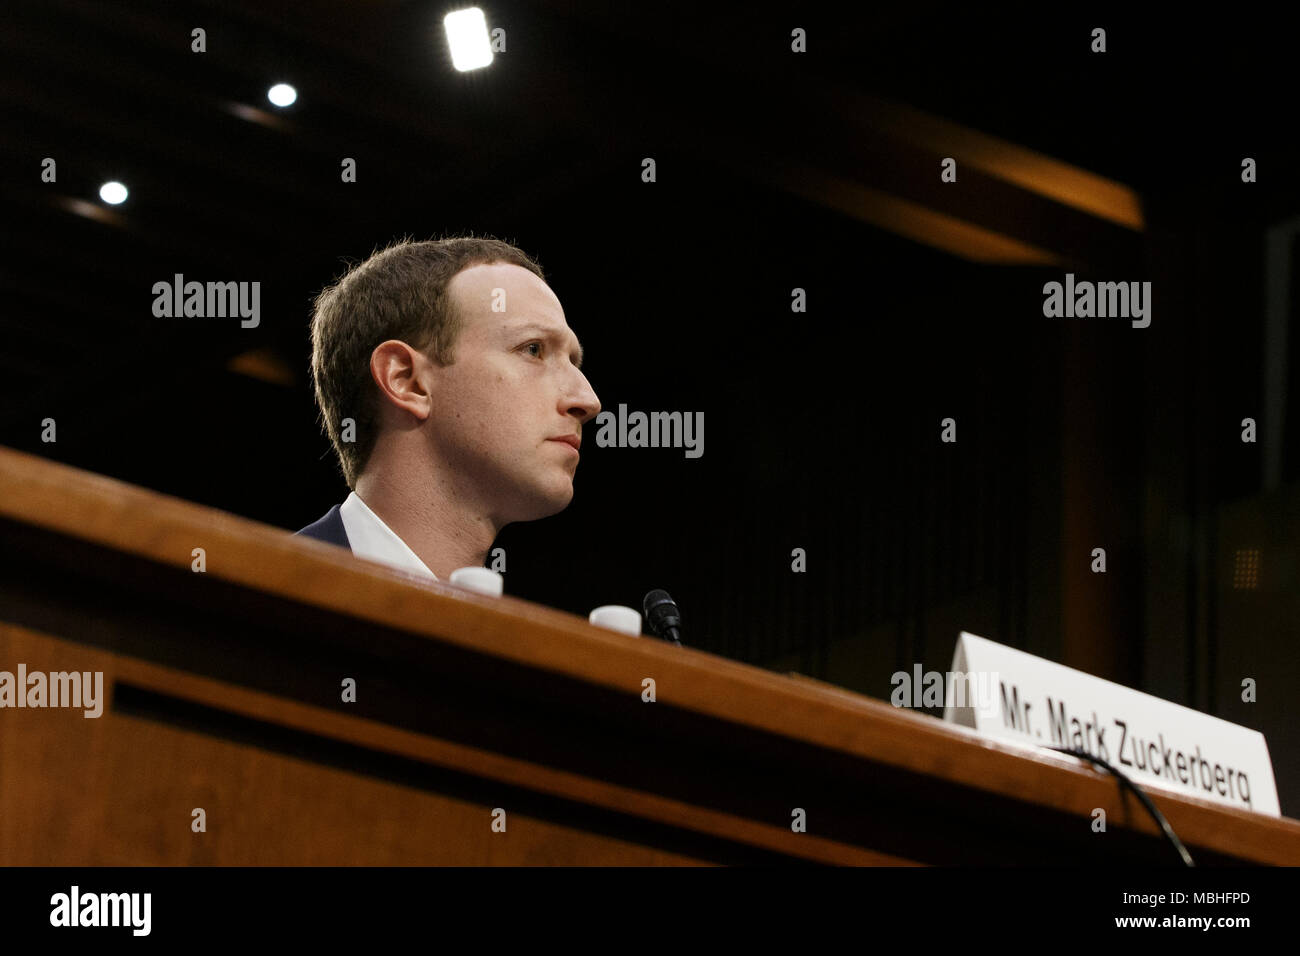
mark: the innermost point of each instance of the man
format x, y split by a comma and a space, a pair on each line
449, 383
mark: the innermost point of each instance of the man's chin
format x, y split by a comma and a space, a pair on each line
550, 502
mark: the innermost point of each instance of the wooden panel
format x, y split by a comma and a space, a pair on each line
262, 808
462, 698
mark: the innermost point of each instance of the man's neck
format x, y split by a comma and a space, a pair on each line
445, 532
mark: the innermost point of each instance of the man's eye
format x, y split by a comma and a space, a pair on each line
535, 345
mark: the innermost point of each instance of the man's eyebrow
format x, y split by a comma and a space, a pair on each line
553, 335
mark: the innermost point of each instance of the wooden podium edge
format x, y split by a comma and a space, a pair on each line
164, 529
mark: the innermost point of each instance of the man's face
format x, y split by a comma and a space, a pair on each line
513, 389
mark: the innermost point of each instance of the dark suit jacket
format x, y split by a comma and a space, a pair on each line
329, 528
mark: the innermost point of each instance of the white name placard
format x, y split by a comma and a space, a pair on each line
1017, 697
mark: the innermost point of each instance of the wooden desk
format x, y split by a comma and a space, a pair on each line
224, 692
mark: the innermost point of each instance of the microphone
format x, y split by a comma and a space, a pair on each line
663, 615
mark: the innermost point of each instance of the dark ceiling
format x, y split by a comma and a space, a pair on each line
224, 183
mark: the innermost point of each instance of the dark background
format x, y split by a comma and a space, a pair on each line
775, 171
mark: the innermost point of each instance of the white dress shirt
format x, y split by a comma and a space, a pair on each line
375, 541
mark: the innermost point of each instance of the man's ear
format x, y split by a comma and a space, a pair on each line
403, 377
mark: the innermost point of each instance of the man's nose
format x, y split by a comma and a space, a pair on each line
582, 402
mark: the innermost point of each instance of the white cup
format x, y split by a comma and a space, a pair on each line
616, 617
479, 580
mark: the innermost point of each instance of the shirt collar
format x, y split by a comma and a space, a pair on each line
373, 540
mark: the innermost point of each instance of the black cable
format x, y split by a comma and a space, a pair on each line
1141, 795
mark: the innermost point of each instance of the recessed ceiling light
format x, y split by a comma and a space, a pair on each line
113, 193
467, 35
282, 94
